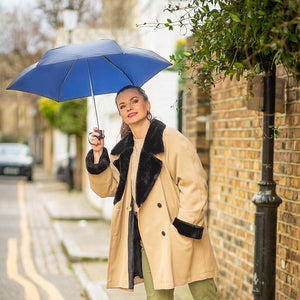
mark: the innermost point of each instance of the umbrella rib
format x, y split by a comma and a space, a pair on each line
108, 60
62, 84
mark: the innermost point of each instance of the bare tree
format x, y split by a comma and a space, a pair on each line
23, 32
88, 11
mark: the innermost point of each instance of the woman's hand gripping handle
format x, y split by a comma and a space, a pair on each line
96, 140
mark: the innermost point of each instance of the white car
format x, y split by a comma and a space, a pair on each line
15, 159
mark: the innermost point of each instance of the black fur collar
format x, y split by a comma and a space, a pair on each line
153, 141
149, 165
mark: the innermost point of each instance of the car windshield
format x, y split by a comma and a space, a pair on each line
13, 150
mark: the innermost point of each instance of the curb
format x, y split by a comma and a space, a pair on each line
55, 216
93, 290
73, 253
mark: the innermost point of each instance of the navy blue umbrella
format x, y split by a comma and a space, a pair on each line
82, 70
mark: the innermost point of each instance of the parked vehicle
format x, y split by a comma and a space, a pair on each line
65, 171
15, 160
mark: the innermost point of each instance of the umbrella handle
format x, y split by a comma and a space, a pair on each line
101, 136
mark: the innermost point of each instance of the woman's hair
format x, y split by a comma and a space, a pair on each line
139, 89
125, 129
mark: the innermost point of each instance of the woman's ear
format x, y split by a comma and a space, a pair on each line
148, 105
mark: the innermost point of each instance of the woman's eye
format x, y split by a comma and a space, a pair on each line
122, 107
135, 101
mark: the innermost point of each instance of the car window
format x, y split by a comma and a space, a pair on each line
13, 150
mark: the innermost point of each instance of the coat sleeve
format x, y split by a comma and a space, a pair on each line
103, 176
185, 168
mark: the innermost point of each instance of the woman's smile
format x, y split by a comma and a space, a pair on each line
132, 114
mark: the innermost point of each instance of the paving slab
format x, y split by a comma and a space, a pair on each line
116, 294
64, 205
84, 240
95, 270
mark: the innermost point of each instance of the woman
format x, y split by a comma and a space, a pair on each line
158, 230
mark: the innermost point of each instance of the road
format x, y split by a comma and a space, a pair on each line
32, 263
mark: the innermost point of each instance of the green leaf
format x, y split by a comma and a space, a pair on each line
273, 46
187, 54
261, 12
293, 38
238, 65
235, 18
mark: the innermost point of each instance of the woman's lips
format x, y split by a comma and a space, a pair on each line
131, 114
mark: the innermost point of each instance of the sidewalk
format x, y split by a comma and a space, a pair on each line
84, 235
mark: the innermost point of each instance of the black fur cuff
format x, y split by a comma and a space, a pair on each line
187, 229
100, 166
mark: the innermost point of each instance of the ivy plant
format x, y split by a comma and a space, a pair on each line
238, 37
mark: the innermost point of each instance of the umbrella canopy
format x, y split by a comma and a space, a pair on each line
82, 70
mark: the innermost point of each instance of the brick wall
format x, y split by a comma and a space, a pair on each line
234, 171
287, 177
196, 103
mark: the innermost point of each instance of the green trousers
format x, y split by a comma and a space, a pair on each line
200, 290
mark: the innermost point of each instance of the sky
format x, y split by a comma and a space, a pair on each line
8, 3
20, 3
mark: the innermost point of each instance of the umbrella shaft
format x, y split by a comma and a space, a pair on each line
96, 111
92, 92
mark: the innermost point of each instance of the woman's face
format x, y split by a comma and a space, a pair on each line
132, 106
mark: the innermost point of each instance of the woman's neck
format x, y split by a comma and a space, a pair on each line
140, 130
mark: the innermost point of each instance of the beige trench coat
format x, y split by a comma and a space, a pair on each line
172, 195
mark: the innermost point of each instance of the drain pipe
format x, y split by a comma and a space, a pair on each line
267, 202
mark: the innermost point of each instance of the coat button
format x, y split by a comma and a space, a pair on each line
159, 205
163, 233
